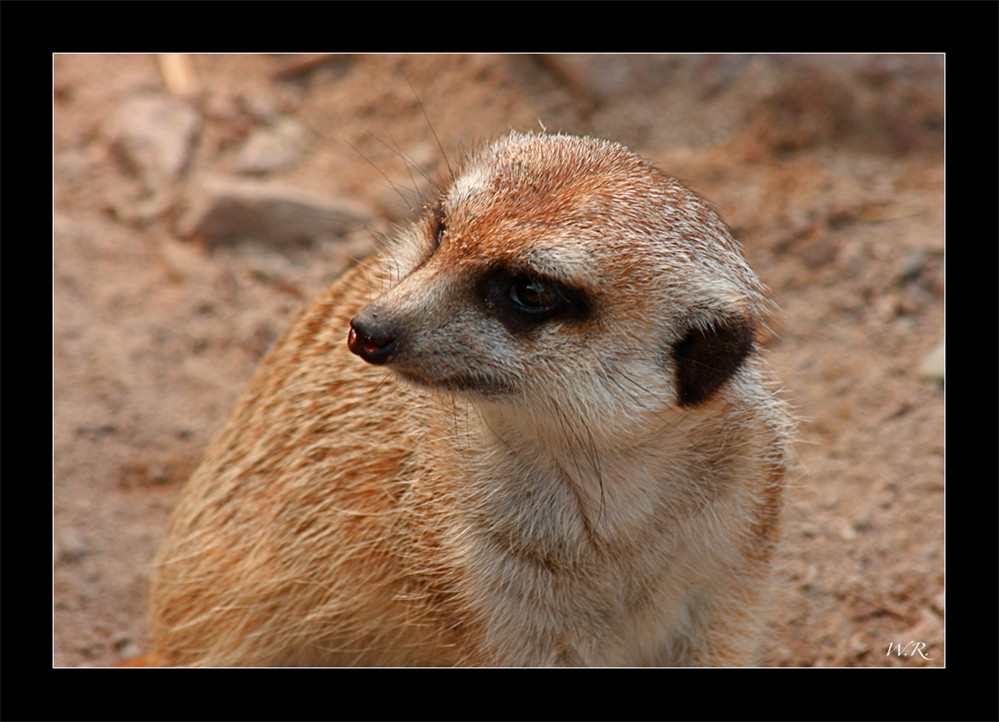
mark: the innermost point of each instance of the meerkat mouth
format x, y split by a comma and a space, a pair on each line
478, 384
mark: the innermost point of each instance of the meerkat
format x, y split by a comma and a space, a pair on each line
535, 430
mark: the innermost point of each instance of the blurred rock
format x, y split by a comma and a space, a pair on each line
153, 136
932, 366
71, 546
222, 209
272, 148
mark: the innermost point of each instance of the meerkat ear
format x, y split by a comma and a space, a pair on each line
707, 356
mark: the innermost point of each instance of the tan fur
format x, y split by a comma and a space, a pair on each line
503, 492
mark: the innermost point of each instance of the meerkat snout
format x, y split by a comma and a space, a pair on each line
370, 340
551, 439
418, 323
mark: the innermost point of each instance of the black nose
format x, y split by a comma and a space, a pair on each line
370, 340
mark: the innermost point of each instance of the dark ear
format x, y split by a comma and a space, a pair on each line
705, 358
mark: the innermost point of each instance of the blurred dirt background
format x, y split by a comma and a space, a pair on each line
200, 200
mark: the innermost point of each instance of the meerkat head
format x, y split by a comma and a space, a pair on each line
565, 272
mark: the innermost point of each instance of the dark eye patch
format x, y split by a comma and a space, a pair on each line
524, 300
437, 225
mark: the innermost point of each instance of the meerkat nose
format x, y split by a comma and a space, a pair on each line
373, 344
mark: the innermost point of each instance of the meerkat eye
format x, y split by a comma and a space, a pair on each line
522, 301
533, 295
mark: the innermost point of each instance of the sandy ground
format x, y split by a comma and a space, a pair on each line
829, 169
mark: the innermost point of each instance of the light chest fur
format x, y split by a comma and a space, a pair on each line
572, 455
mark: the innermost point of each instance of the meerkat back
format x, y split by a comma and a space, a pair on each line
536, 430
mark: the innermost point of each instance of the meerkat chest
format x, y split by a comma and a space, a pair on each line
574, 562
